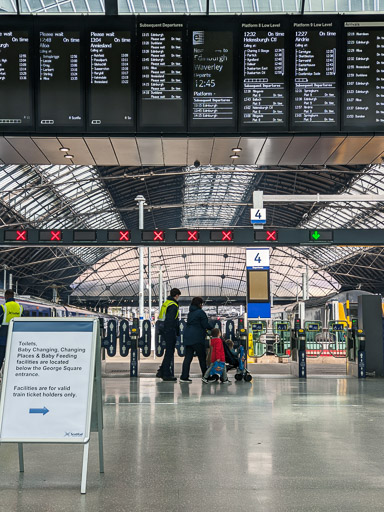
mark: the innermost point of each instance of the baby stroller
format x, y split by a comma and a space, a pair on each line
238, 363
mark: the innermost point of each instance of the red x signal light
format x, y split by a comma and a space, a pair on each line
272, 235
192, 235
227, 235
124, 236
21, 235
55, 236
158, 236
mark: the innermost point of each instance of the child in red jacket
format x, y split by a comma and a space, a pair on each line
218, 354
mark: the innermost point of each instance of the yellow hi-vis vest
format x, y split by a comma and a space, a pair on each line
164, 307
11, 309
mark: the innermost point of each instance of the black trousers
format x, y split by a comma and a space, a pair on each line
170, 344
189, 351
2, 354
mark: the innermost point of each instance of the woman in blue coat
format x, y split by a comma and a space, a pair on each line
194, 337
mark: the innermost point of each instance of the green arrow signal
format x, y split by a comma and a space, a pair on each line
316, 235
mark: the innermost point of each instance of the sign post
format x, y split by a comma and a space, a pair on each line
52, 385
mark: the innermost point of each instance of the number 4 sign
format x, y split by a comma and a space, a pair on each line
257, 258
258, 215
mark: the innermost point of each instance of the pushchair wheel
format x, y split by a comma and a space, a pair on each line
238, 377
247, 377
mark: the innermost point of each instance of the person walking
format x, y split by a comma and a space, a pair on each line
169, 317
194, 338
11, 309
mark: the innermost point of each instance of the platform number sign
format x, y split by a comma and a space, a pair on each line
258, 215
257, 258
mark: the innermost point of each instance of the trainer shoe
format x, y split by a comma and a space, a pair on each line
205, 380
225, 381
185, 380
169, 379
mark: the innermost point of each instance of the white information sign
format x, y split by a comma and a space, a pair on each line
257, 258
258, 215
48, 380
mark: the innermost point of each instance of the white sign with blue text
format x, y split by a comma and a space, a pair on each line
258, 215
48, 380
257, 258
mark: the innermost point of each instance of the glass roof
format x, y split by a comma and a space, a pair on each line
191, 6
203, 271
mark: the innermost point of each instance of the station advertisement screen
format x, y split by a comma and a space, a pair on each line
60, 97
315, 88
162, 72
110, 80
263, 83
258, 285
212, 95
16, 112
363, 72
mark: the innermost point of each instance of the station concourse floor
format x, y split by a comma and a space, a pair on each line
275, 444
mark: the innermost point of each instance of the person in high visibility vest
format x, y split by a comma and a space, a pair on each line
169, 318
11, 309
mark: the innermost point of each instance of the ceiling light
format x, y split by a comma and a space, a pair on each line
64, 149
68, 156
237, 150
235, 156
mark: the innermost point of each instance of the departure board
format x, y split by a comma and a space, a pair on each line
110, 89
363, 71
263, 87
161, 102
315, 96
60, 94
212, 103
16, 111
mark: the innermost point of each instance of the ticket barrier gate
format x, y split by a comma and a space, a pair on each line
313, 343
110, 341
230, 330
283, 336
134, 346
256, 329
356, 358
298, 353
338, 336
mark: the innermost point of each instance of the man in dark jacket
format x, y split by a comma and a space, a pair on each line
194, 338
169, 313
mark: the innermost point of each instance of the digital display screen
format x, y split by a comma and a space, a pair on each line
153, 236
313, 327
315, 97
15, 235
282, 327
16, 88
257, 327
221, 236
270, 235
187, 236
162, 80
338, 327
363, 72
50, 235
263, 88
119, 236
212, 102
110, 87
60, 95
258, 285
84, 235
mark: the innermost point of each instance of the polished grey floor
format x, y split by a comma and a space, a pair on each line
275, 444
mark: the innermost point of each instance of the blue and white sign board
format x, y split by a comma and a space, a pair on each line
48, 380
258, 215
257, 258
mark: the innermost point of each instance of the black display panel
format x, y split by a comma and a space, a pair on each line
220, 235
162, 67
153, 236
263, 88
121, 235
189, 235
60, 95
363, 72
50, 235
315, 93
16, 85
212, 83
84, 235
110, 78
